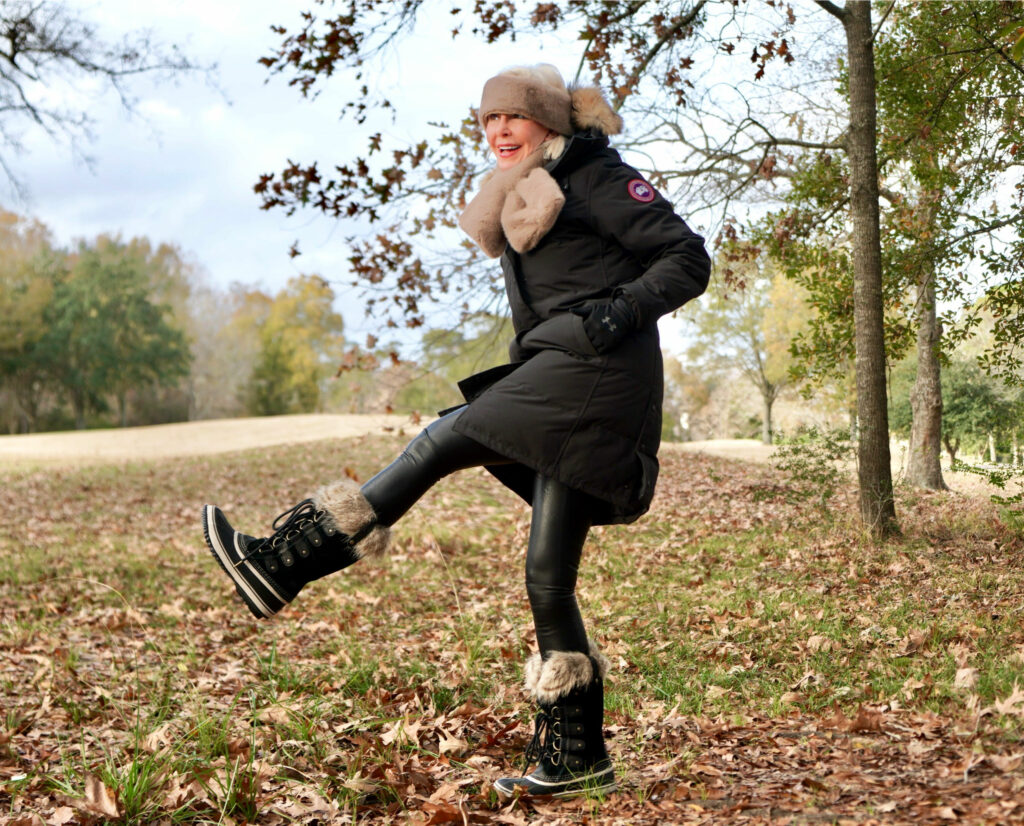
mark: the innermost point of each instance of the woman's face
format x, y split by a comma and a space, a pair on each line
513, 137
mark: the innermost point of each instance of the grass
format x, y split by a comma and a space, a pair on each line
763, 655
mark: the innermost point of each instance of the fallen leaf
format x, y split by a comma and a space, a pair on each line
452, 745
965, 678
60, 816
25, 819
1006, 763
99, 798
1014, 704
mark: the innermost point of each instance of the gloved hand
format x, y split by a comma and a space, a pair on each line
608, 324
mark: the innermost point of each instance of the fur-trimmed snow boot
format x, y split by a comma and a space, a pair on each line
568, 740
319, 536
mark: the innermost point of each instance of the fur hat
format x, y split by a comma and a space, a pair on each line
539, 93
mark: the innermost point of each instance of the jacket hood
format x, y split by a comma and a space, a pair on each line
592, 112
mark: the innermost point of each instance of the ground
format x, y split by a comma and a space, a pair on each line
771, 665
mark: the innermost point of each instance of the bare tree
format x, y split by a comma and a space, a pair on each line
47, 48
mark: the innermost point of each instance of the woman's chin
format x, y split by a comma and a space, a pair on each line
508, 161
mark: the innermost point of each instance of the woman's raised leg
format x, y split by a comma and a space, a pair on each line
340, 524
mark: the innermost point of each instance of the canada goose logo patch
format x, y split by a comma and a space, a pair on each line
640, 190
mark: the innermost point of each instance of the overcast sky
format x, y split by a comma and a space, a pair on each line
183, 170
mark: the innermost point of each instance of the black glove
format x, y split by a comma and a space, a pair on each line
607, 325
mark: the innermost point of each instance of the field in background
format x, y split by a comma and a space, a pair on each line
770, 663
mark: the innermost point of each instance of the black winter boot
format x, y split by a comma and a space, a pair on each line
318, 536
568, 741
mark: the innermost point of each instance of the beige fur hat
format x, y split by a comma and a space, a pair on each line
539, 93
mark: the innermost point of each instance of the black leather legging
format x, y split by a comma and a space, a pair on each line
561, 520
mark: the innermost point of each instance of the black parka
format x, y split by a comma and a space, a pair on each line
593, 422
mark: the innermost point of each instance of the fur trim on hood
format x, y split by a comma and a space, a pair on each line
591, 110
549, 679
349, 512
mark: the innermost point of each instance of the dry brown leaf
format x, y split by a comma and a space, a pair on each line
1014, 704
60, 816
25, 819
158, 739
99, 798
965, 678
441, 813
452, 745
1006, 763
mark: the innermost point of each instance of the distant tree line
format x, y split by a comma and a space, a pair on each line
113, 332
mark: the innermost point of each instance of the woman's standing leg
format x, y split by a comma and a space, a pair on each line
558, 530
566, 678
340, 524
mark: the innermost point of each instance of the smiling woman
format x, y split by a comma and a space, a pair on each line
513, 137
592, 256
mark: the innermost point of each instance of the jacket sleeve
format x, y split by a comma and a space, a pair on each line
627, 209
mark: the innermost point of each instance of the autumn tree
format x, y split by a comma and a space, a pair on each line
104, 335
644, 52
748, 329
224, 332
28, 271
978, 409
301, 344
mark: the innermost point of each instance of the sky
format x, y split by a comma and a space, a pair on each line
181, 170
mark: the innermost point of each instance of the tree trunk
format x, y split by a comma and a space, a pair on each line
951, 449
78, 408
767, 400
874, 469
925, 467
992, 448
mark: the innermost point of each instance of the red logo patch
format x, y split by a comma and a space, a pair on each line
640, 190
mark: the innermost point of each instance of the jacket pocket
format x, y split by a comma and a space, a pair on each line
562, 332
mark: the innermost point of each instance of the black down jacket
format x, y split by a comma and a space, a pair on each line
593, 422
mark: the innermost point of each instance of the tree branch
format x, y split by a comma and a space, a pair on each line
641, 67
833, 9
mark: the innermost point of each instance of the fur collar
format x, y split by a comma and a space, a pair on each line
518, 206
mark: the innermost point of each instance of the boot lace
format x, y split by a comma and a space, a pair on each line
294, 520
541, 747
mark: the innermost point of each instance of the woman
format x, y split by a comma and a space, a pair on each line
592, 256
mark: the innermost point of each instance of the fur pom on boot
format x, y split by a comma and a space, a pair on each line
548, 680
348, 512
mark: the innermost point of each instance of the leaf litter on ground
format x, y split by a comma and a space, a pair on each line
771, 665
